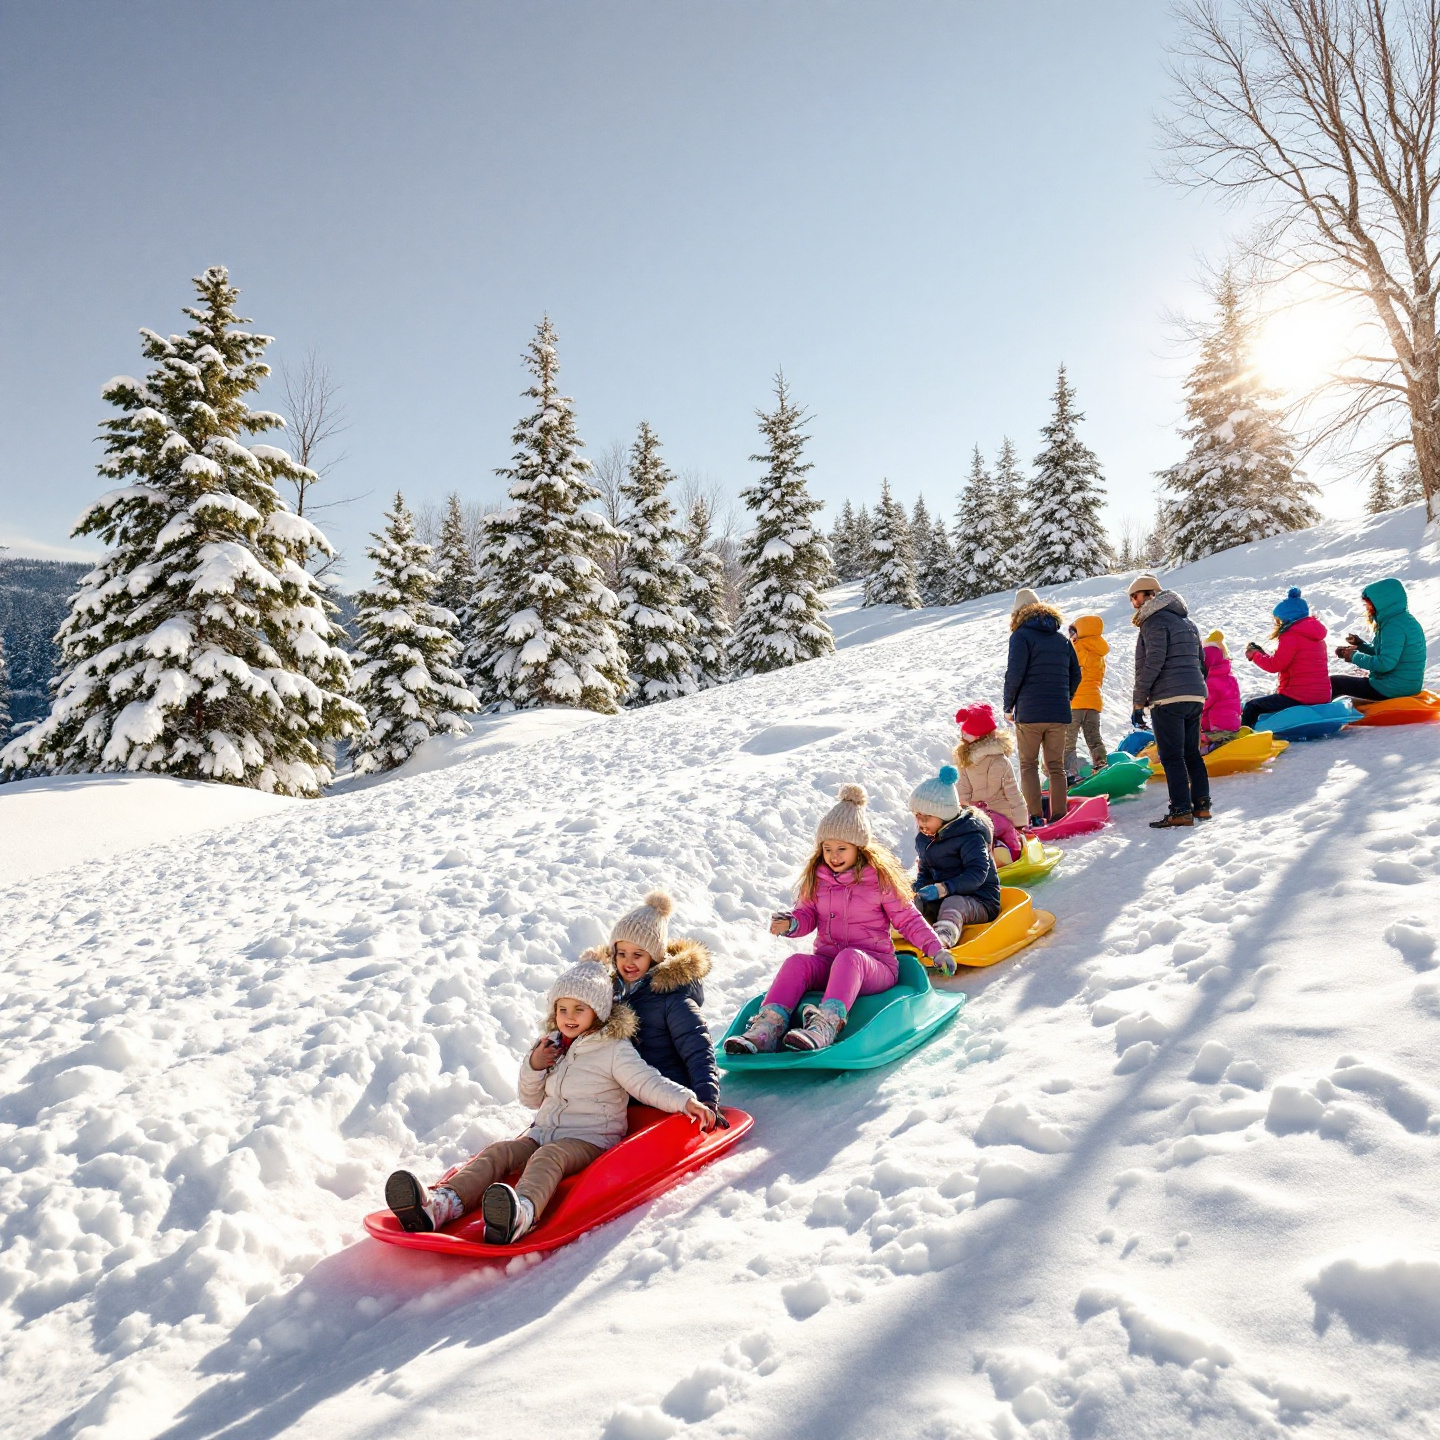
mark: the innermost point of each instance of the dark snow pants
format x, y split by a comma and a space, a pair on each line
1177, 738
1264, 705
1357, 687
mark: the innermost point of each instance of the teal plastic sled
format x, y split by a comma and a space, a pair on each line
881, 1028
1308, 722
1117, 780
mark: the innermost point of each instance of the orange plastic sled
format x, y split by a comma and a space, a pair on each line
659, 1152
1402, 710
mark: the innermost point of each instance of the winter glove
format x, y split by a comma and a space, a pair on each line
1137, 719
783, 917
932, 892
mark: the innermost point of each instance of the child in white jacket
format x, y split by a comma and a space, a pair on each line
579, 1077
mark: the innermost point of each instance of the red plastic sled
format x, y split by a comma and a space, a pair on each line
659, 1152
1402, 710
1081, 817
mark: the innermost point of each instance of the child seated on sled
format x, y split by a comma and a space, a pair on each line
851, 892
957, 884
660, 980
579, 1077
987, 779
1220, 719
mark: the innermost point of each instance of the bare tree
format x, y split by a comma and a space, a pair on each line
1328, 111
608, 474
694, 488
430, 520
315, 414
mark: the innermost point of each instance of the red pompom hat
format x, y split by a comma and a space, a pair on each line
975, 721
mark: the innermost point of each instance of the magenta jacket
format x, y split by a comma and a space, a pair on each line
1222, 693
848, 912
1301, 663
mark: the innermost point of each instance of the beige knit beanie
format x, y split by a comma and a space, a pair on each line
1145, 580
646, 925
847, 820
1024, 598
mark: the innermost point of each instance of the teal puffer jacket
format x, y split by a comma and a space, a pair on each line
1396, 657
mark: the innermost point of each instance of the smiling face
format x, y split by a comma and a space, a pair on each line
573, 1017
631, 961
928, 824
839, 856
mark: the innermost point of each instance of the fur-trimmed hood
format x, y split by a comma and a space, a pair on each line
971, 752
622, 1024
1165, 600
1035, 612
686, 962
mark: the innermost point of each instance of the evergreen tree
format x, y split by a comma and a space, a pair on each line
654, 584
892, 581
1009, 528
786, 560
710, 639
546, 627
454, 565
405, 651
942, 582
934, 559
982, 559
199, 646
4, 695
862, 545
1238, 483
1407, 484
1381, 497
1067, 539
842, 543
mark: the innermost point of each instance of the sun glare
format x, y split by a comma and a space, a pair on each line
1303, 342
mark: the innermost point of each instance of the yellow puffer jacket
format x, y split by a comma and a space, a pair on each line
1092, 649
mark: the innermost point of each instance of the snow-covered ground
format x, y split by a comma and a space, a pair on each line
1174, 1172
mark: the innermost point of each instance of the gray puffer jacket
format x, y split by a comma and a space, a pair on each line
1169, 655
586, 1093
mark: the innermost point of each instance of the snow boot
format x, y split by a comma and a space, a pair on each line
507, 1214
948, 933
1201, 810
1174, 820
762, 1035
822, 1025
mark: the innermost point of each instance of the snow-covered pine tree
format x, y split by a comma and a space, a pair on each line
862, 545
1239, 482
786, 560
942, 583
892, 581
982, 561
405, 651
199, 646
547, 628
1066, 536
934, 559
1010, 527
1380, 497
842, 539
4, 695
654, 584
1407, 484
454, 565
710, 640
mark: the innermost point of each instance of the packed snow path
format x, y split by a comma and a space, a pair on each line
1174, 1171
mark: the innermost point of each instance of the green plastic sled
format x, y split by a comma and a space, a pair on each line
1117, 780
881, 1028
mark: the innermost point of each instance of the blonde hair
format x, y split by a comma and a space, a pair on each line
887, 868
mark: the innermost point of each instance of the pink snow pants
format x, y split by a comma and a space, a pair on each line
850, 973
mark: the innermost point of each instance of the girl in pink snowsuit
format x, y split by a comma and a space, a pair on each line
851, 892
1220, 719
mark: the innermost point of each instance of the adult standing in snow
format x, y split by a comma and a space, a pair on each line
1170, 680
1041, 677
1395, 659
1299, 660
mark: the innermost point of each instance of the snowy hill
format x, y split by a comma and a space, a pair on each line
1174, 1172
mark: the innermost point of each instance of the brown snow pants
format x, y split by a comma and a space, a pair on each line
1034, 737
543, 1166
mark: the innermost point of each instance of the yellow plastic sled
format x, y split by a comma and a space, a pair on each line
1019, 924
1036, 861
1247, 751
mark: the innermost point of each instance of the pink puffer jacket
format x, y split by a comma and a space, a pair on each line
1222, 693
1301, 663
851, 910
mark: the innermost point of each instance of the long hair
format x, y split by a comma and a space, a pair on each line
887, 868
1281, 626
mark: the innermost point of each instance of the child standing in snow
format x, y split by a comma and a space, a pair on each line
1091, 648
851, 892
1220, 717
1299, 660
660, 980
579, 1077
957, 884
987, 779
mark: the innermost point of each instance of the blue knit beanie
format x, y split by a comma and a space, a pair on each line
1291, 608
937, 797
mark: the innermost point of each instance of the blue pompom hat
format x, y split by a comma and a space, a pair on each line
1291, 608
937, 797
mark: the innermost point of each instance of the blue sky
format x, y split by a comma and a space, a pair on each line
918, 210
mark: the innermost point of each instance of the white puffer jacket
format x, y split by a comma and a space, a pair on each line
987, 778
585, 1093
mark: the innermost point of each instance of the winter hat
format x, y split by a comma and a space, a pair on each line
588, 982
937, 797
847, 821
975, 721
1291, 608
1024, 598
1145, 580
646, 926
1217, 639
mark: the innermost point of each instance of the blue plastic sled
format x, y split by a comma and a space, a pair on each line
1309, 722
881, 1028
1136, 741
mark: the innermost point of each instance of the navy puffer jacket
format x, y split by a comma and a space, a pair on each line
673, 1035
958, 857
1043, 671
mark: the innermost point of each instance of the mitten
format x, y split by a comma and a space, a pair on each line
932, 892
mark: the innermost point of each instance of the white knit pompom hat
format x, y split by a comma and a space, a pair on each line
847, 820
647, 925
587, 982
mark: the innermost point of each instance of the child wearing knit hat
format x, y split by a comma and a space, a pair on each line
587, 1057
957, 884
987, 778
852, 891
